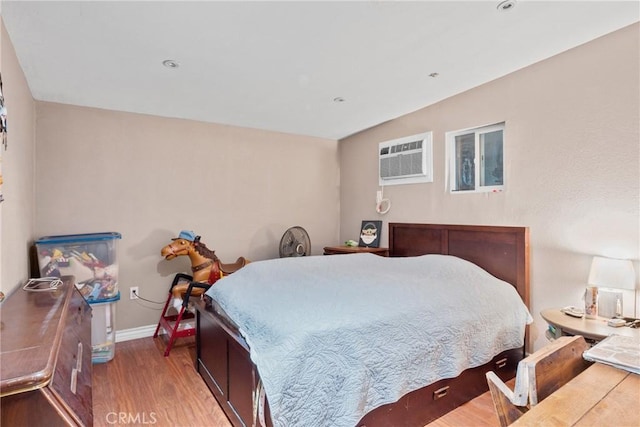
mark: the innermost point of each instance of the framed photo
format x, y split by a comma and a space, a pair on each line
370, 234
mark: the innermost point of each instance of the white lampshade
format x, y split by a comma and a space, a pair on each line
612, 273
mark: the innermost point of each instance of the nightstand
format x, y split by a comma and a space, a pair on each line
593, 330
341, 250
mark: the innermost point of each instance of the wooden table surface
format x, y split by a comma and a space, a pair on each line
600, 396
32, 324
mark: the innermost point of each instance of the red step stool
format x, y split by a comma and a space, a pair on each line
174, 324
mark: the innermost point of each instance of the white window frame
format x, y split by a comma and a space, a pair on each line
478, 159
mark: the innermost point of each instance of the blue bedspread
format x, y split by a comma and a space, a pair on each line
334, 337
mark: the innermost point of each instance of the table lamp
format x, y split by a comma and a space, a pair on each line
613, 274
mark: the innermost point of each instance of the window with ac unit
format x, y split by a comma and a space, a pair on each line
476, 159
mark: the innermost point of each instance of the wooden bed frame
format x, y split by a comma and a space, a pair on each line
223, 361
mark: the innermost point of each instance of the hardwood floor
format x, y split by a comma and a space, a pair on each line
142, 387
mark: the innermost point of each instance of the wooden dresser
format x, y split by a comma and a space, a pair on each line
45, 358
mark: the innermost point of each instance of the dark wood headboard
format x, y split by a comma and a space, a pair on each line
502, 251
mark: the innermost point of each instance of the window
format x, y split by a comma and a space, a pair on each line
476, 161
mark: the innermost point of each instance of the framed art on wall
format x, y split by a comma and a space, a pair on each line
370, 234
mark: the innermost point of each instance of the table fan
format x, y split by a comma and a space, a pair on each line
295, 242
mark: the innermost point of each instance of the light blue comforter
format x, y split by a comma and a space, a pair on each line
334, 337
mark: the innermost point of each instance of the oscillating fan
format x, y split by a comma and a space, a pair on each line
295, 242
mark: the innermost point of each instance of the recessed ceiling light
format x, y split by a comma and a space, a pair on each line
506, 5
170, 63
338, 99
434, 75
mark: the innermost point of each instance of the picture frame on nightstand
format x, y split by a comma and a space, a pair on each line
370, 232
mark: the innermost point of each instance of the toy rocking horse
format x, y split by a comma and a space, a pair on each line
205, 265
206, 269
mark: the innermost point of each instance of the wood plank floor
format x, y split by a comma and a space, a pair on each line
142, 387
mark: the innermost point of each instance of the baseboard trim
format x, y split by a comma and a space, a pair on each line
135, 333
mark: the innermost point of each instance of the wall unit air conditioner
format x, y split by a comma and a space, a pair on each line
406, 160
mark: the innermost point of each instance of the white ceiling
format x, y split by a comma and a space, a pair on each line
279, 65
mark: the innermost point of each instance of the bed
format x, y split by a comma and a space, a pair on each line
234, 344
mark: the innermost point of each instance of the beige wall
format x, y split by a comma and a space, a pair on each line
17, 212
572, 165
150, 177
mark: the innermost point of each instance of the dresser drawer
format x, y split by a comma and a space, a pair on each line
72, 378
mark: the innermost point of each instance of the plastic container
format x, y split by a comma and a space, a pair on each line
91, 258
103, 329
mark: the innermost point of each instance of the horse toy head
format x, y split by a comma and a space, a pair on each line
184, 244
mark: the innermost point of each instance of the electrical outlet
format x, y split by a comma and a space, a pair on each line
134, 291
